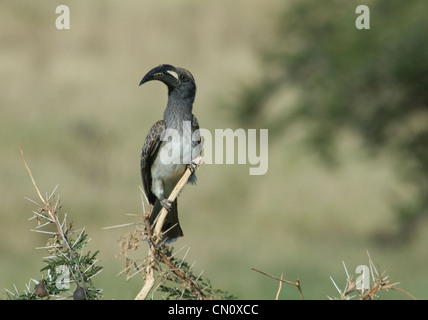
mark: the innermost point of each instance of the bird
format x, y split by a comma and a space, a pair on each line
159, 177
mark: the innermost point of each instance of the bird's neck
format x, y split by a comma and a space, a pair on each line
177, 111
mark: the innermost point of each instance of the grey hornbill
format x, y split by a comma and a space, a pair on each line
160, 176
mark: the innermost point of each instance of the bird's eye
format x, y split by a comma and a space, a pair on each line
183, 77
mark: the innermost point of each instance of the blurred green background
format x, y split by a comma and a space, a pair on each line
71, 97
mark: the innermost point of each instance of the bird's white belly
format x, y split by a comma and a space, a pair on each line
165, 176
167, 171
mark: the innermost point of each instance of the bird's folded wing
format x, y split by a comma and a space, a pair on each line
150, 149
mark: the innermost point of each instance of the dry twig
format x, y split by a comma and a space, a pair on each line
296, 283
279, 287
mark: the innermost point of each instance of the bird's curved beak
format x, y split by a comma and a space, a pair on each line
165, 73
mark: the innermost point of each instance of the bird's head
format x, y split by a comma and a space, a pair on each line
178, 80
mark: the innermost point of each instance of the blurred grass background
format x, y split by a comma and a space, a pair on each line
72, 99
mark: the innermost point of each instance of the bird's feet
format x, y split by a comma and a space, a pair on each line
167, 204
192, 166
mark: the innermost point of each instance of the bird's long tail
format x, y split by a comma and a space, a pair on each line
171, 228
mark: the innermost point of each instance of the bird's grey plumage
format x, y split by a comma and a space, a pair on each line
160, 178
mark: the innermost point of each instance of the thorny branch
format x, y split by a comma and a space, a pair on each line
380, 282
52, 216
47, 205
46, 202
